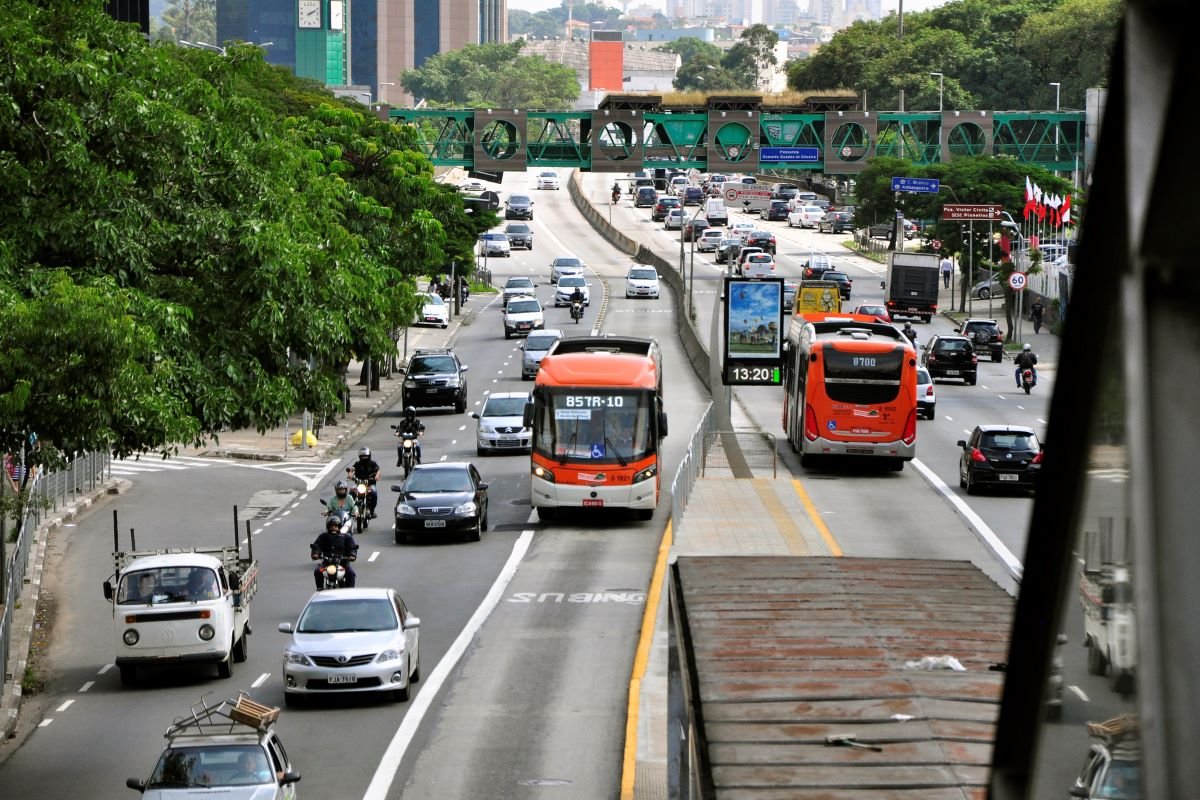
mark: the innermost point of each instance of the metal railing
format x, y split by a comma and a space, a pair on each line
757, 447
691, 467
82, 474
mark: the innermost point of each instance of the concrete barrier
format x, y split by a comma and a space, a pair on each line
692, 342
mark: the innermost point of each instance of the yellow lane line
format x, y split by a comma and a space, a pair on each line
788, 529
640, 659
822, 529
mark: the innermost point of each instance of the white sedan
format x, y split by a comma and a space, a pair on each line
434, 311
674, 220
805, 217
709, 239
742, 229
547, 180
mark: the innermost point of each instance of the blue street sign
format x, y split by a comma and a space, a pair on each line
804, 155
923, 185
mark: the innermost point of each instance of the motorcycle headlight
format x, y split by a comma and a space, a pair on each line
362, 488
543, 473
331, 570
408, 443
466, 508
406, 510
645, 475
395, 654
296, 658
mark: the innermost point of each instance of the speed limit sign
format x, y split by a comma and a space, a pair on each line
1017, 281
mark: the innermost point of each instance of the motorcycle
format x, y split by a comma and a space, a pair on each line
576, 311
406, 450
1027, 379
363, 491
616, 195
333, 571
464, 293
912, 337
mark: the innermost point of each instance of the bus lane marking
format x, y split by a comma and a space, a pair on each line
815, 516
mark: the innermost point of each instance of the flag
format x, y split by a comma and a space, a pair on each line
1029, 204
1066, 210
1054, 202
1039, 204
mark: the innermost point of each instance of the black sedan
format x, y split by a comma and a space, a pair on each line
445, 498
661, 208
776, 211
763, 239
841, 279
1001, 457
836, 222
693, 228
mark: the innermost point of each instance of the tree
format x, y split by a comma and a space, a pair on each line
492, 75
552, 22
753, 55
189, 21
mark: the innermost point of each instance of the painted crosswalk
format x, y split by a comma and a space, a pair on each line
310, 473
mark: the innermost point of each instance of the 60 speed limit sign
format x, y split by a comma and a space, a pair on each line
1017, 281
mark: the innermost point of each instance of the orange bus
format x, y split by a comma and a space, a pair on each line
850, 388
597, 419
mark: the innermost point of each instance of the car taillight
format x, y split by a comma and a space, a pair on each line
1037, 459
929, 390
977, 455
810, 423
910, 428
974, 359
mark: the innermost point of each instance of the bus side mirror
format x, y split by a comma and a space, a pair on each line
108, 592
527, 416
662, 424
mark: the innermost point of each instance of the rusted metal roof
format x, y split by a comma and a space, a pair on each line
793, 651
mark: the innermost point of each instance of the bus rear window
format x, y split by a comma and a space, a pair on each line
862, 378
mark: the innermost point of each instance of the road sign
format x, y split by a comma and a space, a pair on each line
920, 185
967, 212
1017, 281
936, 244
736, 193
804, 155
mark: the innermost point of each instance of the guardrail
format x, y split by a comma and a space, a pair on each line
757, 448
691, 467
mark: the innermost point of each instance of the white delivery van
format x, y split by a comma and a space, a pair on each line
715, 212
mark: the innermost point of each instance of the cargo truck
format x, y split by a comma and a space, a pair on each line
818, 297
1106, 594
912, 285
185, 605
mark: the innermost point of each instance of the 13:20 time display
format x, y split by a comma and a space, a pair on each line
743, 375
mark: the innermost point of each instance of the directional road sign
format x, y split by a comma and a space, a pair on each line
967, 212
1017, 281
804, 155
921, 185
736, 194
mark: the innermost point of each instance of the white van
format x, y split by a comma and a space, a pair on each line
715, 212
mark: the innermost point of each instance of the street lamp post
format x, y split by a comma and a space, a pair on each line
1057, 107
941, 86
692, 274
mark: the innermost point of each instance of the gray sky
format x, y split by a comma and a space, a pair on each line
542, 5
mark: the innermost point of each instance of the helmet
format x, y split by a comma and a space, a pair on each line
341, 488
410, 412
332, 523
364, 453
1027, 347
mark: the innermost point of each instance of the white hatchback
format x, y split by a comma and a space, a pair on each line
709, 239
805, 217
641, 281
501, 425
926, 398
674, 219
742, 229
758, 265
547, 180
434, 311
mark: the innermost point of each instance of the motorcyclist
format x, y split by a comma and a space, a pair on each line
365, 469
410, 424
616, 191
1026, 359
577, 299
342, 501
910, 333
339, 546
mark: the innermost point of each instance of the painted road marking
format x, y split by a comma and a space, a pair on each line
86, 686
260, 680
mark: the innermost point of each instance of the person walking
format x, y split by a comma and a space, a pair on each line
1035, 314
947, 271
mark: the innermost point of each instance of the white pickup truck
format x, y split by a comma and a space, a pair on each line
1106, 594
181, 605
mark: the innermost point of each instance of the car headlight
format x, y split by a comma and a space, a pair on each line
296, 658
487, 429
410, 384
406, 510
130, 637
466, 508
543, 473
645, 475
394, 654
207, 632
452, 383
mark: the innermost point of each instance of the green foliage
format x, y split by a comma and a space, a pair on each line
188, 21
553, 21
492, 76
705, 67
192, 242
993, 53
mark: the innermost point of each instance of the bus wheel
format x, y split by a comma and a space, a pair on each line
897, 465
546, 514
807, 461
645, 513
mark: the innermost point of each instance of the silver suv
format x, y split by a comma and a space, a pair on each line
535, 348
519, 235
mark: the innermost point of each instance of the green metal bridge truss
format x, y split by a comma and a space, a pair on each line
737, 139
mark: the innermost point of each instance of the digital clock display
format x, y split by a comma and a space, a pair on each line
751, 375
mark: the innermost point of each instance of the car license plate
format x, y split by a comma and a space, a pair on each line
951, 372
1008, 476
592, 503
435, 523
510, 438
431, 391
343, 679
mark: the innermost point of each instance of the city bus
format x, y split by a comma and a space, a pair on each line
850, 389
597, 419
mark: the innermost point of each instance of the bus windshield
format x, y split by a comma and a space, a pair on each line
863, 377
594, 425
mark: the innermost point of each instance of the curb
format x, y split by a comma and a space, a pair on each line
24, 616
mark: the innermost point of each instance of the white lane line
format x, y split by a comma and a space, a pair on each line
494, 380
86, 686
257, 532
64, 706
950, 418
304, 495
1080, 693
454, 441
1041, 421
443, 458
385, 773
986, 535
499, 372
373, 556
285, 513
45, 722
1021, 407
1002, 397
477, 402
462, 427
105, 668
260, 680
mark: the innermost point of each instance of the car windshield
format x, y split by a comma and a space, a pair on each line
421, 366
519, 283
523, 307
571, 280
205, 766
518, 200
836, 276
567, 262
438, 480
1009, 440
539, 343
643, 275
549, 175
347, 615
518, 227
433, 300
182, 584
495, 237
504, 407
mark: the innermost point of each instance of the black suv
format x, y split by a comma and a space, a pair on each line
985, 334
435, 377
661, 208
1000, 456
778, 210
763, 239
950, 357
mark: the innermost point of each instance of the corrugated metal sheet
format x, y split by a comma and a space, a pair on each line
790, 651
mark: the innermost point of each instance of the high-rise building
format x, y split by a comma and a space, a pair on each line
382, 38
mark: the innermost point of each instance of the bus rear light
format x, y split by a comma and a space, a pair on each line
810, 422
543, 473
910, 428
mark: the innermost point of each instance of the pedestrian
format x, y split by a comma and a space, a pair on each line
1035, 314
947, 270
